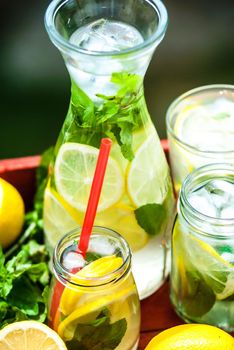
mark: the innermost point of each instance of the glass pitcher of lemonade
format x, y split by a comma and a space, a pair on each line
107, 48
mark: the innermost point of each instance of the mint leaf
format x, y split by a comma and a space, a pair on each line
83, 106
6, 278
25, 296
99, 334
151, 217
199, 298
126, 140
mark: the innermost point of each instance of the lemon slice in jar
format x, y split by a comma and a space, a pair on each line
82, 307
98, 268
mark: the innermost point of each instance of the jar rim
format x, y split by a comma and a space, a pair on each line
170, 114
66, 276
156, 37
196, 218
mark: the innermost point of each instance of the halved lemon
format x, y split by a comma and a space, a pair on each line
74, 170
30, 335
147, 173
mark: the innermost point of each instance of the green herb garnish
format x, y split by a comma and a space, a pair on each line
24, 272
199, 298
88, 122
99, 334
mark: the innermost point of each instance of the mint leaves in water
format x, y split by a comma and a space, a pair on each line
151, 217
199, 298
99, 334
87, 122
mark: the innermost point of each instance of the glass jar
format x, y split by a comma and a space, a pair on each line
107, 46
200, 128
202, 275
94, 302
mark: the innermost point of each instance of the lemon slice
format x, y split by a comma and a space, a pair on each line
98, 268
147, 174
30, 335
67, 327
218, 273
57, 217
74, 170
121, 218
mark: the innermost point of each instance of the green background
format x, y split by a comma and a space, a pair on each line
198, 49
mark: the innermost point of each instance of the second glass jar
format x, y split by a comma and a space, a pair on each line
202, 275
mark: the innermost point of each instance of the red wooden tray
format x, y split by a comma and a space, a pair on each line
157, 313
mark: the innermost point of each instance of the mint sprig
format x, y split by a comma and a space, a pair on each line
24, 272
115, 116
99, 334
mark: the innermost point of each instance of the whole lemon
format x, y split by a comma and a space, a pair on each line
11, 213
192, 337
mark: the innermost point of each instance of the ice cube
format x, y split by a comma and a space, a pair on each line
73, 260
222, 196
106, 35
215, 199
102, 246
201, 202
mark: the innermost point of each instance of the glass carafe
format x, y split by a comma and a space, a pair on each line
107, 46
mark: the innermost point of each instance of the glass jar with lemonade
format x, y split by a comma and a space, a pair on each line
107, 51
94, 302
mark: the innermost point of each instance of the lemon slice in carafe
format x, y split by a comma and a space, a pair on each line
74, 171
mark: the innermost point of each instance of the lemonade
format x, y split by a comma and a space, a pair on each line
107, 58
202, 277
200, 128
94, 301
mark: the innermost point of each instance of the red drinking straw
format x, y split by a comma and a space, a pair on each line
88, 222
94, 195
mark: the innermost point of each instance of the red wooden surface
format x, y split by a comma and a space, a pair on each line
157, 312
